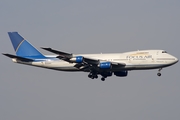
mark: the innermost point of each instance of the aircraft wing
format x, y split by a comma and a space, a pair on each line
87, 63
90, 64
61, 55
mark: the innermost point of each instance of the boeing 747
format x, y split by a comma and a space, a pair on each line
96, 64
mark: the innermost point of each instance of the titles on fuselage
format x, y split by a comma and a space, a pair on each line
138, 56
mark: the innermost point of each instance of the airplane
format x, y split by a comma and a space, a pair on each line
95, 64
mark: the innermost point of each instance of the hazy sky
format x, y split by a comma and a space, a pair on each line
90, 26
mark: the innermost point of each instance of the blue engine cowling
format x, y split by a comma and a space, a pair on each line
121, 73
105, 65
77, 59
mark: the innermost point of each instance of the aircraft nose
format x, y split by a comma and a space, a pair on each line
176, 60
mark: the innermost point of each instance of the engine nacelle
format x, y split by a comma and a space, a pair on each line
105, 65
121, 73
77, 59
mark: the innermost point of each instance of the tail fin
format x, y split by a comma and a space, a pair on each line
22, 47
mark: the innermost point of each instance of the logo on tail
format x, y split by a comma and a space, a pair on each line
23, 48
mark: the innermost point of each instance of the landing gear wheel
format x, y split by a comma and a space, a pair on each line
96, 76
158, 74
103, 79
90, 76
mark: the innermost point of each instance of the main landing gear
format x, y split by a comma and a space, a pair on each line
92, 75
95, 76
103, 78
159, 72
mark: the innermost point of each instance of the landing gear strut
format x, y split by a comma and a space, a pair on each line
159, 72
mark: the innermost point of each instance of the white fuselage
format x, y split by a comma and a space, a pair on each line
135, 60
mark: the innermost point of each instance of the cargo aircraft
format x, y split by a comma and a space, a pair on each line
95, 64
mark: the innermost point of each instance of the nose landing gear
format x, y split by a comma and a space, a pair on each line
159, 72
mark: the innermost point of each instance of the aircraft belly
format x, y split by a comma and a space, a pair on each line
144, 66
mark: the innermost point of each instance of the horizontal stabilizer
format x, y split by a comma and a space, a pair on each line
19, 58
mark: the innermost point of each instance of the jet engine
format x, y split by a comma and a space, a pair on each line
105, 65
121, 73
77, 59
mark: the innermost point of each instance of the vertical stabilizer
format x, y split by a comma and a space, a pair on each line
22, 47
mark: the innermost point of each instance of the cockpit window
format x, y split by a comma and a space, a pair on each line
164, 52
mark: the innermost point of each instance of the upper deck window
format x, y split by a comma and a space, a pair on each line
164, 52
